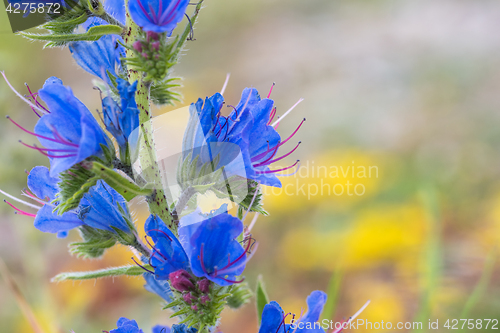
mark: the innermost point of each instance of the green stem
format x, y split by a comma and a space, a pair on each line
147, 156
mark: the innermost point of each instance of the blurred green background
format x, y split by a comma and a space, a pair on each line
410, 87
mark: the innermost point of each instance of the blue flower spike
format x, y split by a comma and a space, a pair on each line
158, 15
250, 126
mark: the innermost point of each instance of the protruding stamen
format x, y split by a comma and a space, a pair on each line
353, 317
18, 211
235, 111
228, 75
144, 268
47, 149
270, 91
254, 221
271, 116
38, 135
20, 201
286, 113
279, 158
278, 170
21, 96
294, 132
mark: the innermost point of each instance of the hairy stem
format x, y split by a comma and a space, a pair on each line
147, 156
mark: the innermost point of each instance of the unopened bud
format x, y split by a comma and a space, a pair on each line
151, 35
204, 286
137, 46
181, 280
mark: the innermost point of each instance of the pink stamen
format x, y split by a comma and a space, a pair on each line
63, 140
271, 116
270, 91
278, 170
35, 96
237, 259
18, 211
47, 149
28, 194
34, 134
19, 95
283, 323
153, 14
236, 111
294, 132
144, 10
163, 232
279, 158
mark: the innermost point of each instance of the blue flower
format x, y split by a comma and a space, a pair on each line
101, 208
68, 130
44, 189
206, 248
158, 15
104, 208
130, 326
99, 56
273, 317
121, 120
246, 127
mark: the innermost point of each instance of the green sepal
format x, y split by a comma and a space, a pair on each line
127, 188
107, 272
73, 184
261, 298
240, 295
95, 242
67, 23
162, 94
61, 39
257, 205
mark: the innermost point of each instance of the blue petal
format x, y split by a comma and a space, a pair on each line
160, 288
126, 326
42, 184
99, 56
182, 328
116, 8
315, 303
215, 242
47, 221
161, 329
99, 208
272, 317
170, 255
148, 16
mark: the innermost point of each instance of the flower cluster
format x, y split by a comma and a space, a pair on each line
193, 260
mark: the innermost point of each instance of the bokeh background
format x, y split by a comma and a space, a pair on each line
409, 87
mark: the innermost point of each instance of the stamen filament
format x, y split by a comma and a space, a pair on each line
286, 113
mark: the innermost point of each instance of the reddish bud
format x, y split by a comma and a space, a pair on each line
188, 298
194, 307
137, 46
204, 299
151, 35
204, 286
181, 280
155, 46
145, 55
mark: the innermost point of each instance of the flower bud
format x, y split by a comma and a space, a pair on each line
188, 298
181, 280
155, 46
137, 46
204, 299
151, 35
204, 286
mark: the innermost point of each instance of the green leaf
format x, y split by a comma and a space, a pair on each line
113, 271
127, 188
261, 297
333, 294
162, 93
93, 34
